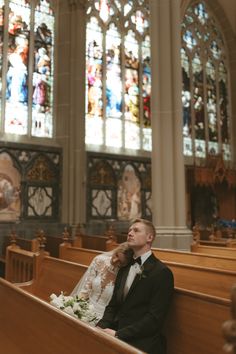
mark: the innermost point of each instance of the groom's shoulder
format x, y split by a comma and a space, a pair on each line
158, 263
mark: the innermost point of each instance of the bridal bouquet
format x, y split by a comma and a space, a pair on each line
74, 306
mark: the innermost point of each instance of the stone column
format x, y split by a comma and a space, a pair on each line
168, 180
71, 108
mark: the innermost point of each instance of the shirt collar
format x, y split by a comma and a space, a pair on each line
145, 256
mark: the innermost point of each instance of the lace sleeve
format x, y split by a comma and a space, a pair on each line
84, 286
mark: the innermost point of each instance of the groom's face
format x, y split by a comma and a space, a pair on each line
138, 236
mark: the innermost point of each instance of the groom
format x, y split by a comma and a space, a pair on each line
142, 295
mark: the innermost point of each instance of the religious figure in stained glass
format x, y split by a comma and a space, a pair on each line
23, 22
118, 50
16, 113
205, 84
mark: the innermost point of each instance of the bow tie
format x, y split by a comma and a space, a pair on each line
136, 260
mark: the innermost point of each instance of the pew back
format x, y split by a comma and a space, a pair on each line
95, 242
199, 259
220, 251
76, 254
19, 265
53, 276
210, 281
194, 323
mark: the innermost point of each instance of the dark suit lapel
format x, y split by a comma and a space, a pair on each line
120, 292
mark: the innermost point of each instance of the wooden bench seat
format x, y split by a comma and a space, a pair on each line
31, 326
193, 324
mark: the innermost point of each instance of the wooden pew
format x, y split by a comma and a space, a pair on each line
97, 242
193, 326
194, 321
220, 243
48, 274
199, 259
207, 280
220, 251
229, 326
215, 282
76, 254
30, 325
26, 244
193, 258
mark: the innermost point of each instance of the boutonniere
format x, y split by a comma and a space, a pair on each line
141, 272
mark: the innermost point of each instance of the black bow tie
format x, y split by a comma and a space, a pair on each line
136, 260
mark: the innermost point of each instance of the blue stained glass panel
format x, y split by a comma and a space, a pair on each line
16, 109
42, 100
113, 74
146, 82
1, 50
94, 69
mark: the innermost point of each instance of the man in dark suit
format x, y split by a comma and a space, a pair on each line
142, 295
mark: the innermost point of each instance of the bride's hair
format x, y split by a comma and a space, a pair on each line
124, 249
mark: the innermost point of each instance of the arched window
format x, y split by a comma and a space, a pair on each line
26, 67
205, 93
118, 75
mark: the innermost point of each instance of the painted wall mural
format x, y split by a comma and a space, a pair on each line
10, 179
118, 188
30, 185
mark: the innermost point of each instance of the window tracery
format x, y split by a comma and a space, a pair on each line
118, 75
27, 67
205, 94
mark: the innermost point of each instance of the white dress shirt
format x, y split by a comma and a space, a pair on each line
134, 270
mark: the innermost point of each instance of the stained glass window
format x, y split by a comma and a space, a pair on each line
118, 75
205, 98
26, 67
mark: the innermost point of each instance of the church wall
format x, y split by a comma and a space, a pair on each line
30, 190
118, 189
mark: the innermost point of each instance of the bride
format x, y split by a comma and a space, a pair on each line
97, 284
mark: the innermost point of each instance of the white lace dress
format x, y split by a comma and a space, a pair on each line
97, 284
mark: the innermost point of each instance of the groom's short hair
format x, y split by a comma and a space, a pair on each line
148, 224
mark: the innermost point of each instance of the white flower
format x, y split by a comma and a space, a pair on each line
69, 311
138, 269
74, 306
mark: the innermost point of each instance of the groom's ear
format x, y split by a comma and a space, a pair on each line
149, 237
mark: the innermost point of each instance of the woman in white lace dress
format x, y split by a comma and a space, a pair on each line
97, 284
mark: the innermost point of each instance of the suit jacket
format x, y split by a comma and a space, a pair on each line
139, 317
